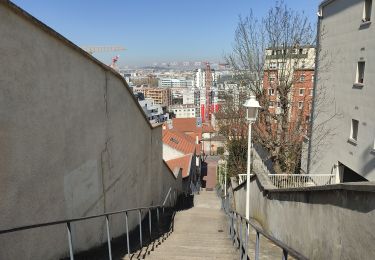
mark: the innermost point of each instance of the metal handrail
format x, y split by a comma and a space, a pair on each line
237, 235
68, 222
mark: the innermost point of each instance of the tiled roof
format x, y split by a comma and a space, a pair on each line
179, 141
188, 125
183, 163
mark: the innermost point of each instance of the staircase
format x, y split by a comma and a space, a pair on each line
199, 232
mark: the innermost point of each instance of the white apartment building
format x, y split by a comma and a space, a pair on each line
345, 145
154, 112
183, 111
200, 78
175, 83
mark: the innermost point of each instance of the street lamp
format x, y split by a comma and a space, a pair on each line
252, 106
226, 156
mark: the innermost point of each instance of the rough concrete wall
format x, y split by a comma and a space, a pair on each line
73, 143
325, 224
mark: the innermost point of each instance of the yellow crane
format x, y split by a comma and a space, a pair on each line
94, 49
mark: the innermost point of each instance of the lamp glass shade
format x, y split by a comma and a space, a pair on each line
252, 106
252, 113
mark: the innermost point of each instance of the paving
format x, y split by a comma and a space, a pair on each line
200, 232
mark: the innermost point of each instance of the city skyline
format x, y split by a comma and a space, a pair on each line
154, 32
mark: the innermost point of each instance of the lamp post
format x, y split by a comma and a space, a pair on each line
252, 106
226, 156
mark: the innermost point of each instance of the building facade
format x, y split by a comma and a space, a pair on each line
184, 111
297, 64
161, 96
343, 129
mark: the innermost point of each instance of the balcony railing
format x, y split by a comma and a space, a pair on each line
301, 180
296, 180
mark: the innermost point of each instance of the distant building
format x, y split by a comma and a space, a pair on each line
183, 111
161, 96
154, 112
175, 83
301, 63
349, 44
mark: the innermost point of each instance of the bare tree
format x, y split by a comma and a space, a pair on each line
272, 56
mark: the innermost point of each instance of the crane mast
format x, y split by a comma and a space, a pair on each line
208, 85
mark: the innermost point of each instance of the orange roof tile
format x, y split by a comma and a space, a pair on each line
183, 163
179, 141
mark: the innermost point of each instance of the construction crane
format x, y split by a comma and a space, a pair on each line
95, 49
113, 65
208, 84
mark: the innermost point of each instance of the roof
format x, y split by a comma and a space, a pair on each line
179, 141
185, 124
325, 2
183, 162
190, 125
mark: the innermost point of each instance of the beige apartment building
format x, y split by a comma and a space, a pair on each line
161, 96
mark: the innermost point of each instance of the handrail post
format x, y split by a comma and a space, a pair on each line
140, 227
247, 240
108, 238
240, 236
285, 255
149, 222
158, 221
127, 232
257, 246
71, 254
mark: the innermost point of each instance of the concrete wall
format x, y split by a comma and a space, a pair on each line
73, 142
332, 222
344, 42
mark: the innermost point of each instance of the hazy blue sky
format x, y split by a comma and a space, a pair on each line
154, 30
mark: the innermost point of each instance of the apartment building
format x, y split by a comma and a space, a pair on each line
347, 121
175, 83
184, 111
161, 96
297, 64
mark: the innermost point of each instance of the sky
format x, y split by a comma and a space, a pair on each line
154, 31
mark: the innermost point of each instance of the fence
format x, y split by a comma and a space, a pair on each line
239, 230
301, 180
170, 198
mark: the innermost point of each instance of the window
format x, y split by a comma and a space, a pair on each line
354, 130
311, 92
302, 78
367, 11
271, 104
300, 104
271, 92
273, 65
312, 78
360, 72
301, 91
